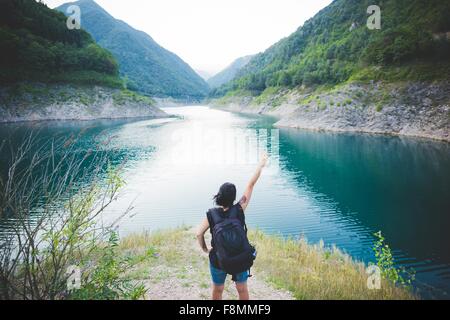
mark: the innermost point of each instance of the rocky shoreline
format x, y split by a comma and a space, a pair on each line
407, 109
44, 102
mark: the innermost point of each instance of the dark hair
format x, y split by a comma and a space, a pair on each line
226, 195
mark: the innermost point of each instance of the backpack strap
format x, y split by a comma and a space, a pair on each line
241, 217
216, 215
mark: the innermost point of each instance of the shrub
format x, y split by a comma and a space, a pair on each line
105, 281
386, 263
53, 196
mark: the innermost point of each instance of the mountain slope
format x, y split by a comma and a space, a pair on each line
335, 74
36, 45
48, 72
326, 50
229, 72
149, 68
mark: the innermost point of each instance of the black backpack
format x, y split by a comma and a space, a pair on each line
234, 252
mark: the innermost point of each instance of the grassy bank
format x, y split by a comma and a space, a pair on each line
314, 272
172, 267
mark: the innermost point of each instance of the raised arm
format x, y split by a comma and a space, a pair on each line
245, 200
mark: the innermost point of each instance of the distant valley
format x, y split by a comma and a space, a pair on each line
229, 73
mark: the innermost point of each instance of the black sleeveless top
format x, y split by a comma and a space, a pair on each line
235, 210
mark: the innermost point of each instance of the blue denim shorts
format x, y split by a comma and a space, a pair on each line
219, 276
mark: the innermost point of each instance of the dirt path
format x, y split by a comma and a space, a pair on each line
178, 270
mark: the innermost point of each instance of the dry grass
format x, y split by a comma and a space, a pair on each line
314, 273
173, 267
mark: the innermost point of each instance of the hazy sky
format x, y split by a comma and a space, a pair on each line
210, 34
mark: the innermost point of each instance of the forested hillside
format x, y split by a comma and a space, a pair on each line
36, 45
229, 73
336, 45
148, 67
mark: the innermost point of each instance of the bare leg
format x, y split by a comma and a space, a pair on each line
242, 290
217, 292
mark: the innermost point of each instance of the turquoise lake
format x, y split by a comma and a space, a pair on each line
337, 187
